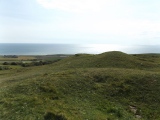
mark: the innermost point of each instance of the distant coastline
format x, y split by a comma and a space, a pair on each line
52, 49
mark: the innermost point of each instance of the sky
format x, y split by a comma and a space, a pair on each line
126, 22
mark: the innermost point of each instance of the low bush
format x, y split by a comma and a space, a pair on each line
4, 68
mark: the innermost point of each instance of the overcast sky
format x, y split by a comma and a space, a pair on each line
126, 22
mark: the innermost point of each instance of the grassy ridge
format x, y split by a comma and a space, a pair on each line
82, 87
109, 59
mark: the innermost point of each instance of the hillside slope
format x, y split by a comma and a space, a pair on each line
114, 59
95, 87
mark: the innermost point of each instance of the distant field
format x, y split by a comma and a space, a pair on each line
27, 58
13, 62
2, 58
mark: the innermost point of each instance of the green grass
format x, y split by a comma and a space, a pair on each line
109, 59
81, 87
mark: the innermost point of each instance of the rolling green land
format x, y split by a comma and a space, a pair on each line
107, 86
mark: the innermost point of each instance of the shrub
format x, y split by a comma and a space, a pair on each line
52, 116
115, 111
4, 68
5, 63
13, 63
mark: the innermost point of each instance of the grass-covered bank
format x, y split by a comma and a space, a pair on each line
82, 87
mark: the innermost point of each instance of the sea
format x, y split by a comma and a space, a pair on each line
52, 49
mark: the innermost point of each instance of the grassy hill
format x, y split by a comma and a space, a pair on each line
112, 59
111, 85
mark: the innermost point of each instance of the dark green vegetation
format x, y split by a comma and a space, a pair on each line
10, 61
111, 86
